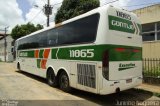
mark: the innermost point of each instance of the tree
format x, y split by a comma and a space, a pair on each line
25, 29
72, 8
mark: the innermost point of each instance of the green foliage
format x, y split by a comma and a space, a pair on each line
72, 8
156, 94
25, 29
154, 72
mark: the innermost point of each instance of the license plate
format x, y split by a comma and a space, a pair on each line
128, 80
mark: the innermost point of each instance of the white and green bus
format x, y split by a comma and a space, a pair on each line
99, 52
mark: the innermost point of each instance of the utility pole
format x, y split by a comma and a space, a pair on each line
48, 14
5, 43
48, 11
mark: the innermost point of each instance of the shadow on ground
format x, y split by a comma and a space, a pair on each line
32, 76
132, 95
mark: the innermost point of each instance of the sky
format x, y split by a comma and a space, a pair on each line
15, 12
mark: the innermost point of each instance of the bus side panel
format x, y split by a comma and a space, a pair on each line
120, 71
73, 74
87, 76
29, 65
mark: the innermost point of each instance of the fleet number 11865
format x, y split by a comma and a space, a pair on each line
84, 53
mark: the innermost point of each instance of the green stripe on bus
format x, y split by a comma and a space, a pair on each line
54, 52
26, 53
98, 50
127, 55
41, 53
64, 53
38, 63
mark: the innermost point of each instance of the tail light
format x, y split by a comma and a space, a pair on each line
120, 49
105, 64
136, 50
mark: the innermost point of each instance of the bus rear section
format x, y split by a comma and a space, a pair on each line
122, 58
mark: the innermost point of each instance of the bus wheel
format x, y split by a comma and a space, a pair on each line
51, 78
64, 82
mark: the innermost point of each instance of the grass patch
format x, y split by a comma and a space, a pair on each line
156, 94
152, 72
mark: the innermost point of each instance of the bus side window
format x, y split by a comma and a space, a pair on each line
42, 40
52, 37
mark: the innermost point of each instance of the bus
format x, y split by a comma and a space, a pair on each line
99, 51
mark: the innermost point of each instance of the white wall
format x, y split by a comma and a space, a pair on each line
148, 14
9, 56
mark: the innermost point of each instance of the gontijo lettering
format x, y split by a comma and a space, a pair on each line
122, 24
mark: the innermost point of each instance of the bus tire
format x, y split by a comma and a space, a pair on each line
51, 78
64, 82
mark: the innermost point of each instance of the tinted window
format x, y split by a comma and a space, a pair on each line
158, 36
80, 31
52, 37
158, 26
42, 39
29, 42
148, 27
148, 37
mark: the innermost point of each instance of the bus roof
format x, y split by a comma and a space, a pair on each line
96, 10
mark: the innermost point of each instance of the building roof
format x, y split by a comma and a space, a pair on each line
149, 14
152, 5
2, 36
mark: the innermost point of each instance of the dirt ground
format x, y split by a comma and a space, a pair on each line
26, 89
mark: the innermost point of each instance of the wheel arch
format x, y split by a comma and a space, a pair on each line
57, 72
48, 68
60, 71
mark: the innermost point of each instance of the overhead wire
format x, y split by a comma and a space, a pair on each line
131, 5
102, 5
44, 2
141, 4
100, 0
35, 16
109, 2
